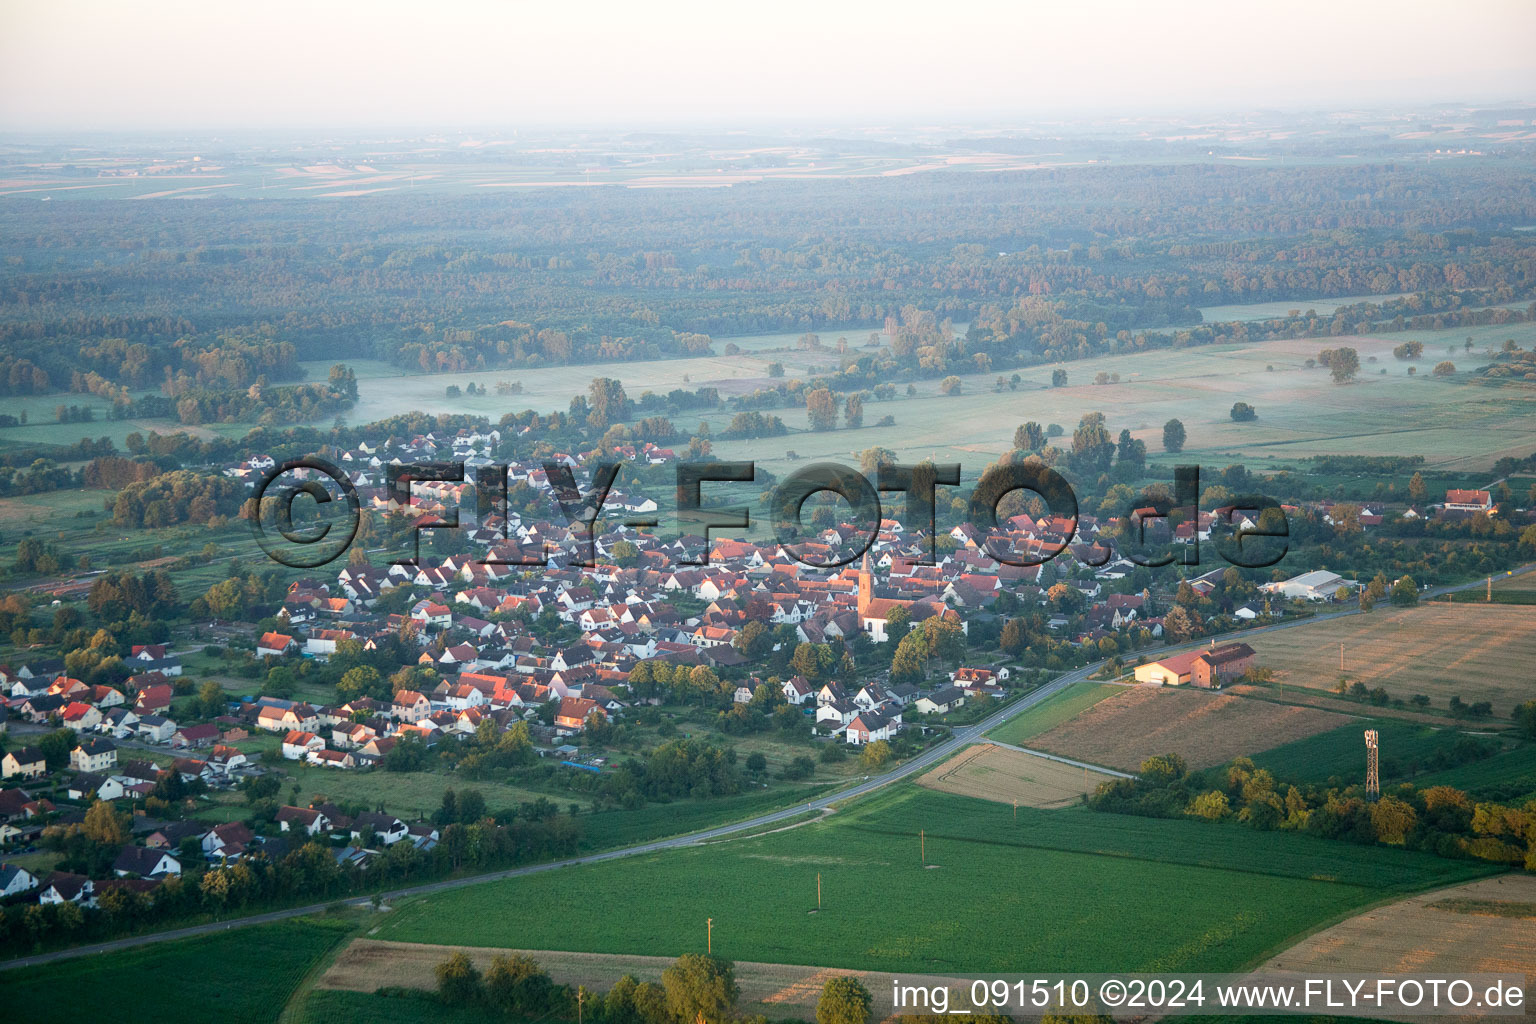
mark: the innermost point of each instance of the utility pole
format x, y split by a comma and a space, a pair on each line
1341, 657
1015, 810
1489, 598
709, 940
581, 995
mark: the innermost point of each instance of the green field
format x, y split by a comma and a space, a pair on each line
1508, 777
1340, 753
1052, 711
1057, 890
240, 976
327, 1006
607, 830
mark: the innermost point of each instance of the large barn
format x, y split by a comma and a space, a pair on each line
1209, 669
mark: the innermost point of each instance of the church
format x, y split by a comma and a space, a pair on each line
875, 612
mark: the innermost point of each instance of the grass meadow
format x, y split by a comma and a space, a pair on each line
1051, 890
1508, 777
1053, 711
1340, 753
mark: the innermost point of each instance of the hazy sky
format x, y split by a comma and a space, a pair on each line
110, 64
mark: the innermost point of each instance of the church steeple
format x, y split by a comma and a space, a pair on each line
866, 584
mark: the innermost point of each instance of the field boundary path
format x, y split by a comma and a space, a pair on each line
961, 737
1063, 760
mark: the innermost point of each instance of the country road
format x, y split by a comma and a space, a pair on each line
961, 738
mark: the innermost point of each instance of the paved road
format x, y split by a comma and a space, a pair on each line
961, 738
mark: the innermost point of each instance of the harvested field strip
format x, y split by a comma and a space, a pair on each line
1488, 908
773, 990
1002, 775
1204, 728
1476, 652
1433, 933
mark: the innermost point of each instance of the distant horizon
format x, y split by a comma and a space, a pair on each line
787, 127
93, 66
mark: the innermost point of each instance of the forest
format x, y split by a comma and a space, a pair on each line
197, 303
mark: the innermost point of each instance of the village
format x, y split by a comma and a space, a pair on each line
558, 655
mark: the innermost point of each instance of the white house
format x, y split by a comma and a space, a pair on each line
299, 717
67, 888
14, 880
155, 729
94, 755
26, 762
387, 828
145, 863
275, 645
941, 701
298, 744
332, 759
797, 690
868, 726
303, 819
410, 706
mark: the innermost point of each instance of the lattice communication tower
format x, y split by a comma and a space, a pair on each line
1372, 772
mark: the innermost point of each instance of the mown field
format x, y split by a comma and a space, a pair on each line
1056, 890
240, 976
1488, 925
1204, 728
1477, 652
1052, 711
989, 772
1524, 583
